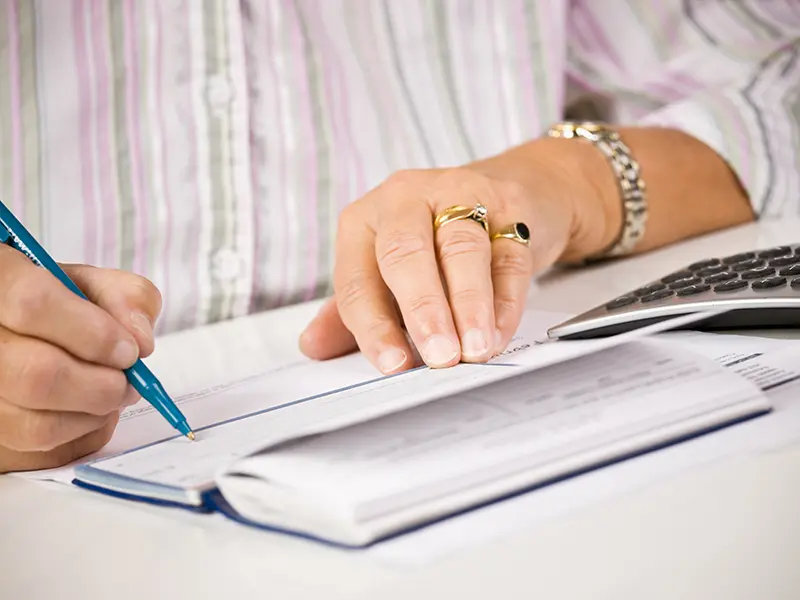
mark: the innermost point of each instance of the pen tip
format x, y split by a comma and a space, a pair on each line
190, 435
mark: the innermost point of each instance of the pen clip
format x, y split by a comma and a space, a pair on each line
9, 236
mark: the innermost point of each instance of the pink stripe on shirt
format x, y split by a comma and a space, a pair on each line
17, 155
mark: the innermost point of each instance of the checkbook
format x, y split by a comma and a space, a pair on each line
361, 463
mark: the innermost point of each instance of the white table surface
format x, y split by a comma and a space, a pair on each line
729, 530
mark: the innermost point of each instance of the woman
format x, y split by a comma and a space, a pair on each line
247, 155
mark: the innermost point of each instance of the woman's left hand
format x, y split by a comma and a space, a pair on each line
458, 294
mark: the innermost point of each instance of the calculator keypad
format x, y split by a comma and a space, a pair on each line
676, 276
719, 277
773, 252
769, 283
746, 265
785, 261
762, 271
659, 295
731, 286
756, 273
789, 271
737, 258
694, 289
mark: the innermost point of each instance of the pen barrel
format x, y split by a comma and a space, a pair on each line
149, 388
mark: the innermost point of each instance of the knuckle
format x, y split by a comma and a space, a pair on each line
458, 177
396, 246
101, 336
501, 202
505, 305
510, 191
431, 304
512, 264
350, 291
462, 241
39, 431
468, 297
349, 216
404, 177
39, 374
109, 389
24, 301
102, 437
143, 292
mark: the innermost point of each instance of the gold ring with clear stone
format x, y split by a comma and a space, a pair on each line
478, 213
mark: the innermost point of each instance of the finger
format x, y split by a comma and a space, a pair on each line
465, 256
363, 302
513, 263
34, 303
39, 376
14, 460
326, 336
131, 299
512, 269
25, 430
407, 262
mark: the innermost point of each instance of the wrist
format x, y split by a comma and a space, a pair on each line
597, 207
573, 175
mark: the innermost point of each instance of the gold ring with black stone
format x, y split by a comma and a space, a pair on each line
478, 213
518, 232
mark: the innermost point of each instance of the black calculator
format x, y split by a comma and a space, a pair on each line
757, 289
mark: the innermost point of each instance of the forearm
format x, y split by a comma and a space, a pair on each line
690, 189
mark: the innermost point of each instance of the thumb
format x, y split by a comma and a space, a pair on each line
326, 336
131, 299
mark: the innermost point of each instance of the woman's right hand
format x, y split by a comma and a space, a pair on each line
61, 358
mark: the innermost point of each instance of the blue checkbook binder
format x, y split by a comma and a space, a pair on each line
379, 459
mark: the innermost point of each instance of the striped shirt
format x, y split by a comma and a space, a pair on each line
210, 144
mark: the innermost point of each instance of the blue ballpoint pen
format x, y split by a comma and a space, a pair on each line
14, 234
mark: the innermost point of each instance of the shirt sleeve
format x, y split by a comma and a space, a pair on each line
730, 77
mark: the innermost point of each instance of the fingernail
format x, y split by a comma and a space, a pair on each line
125, 353
474, 344
438, 350
390, 360
498, 342
142, 322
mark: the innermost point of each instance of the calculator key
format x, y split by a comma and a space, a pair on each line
720, 277
746, 265
698, 288
621, 301
789, 271
659, 295
731, 286
785, 261
756, 273
796, 283
682, 283
677, 275
649, 289
773, 252
737, 258
769, 283
712, 270
703, 264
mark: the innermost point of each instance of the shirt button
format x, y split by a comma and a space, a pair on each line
226, 264
219, 92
